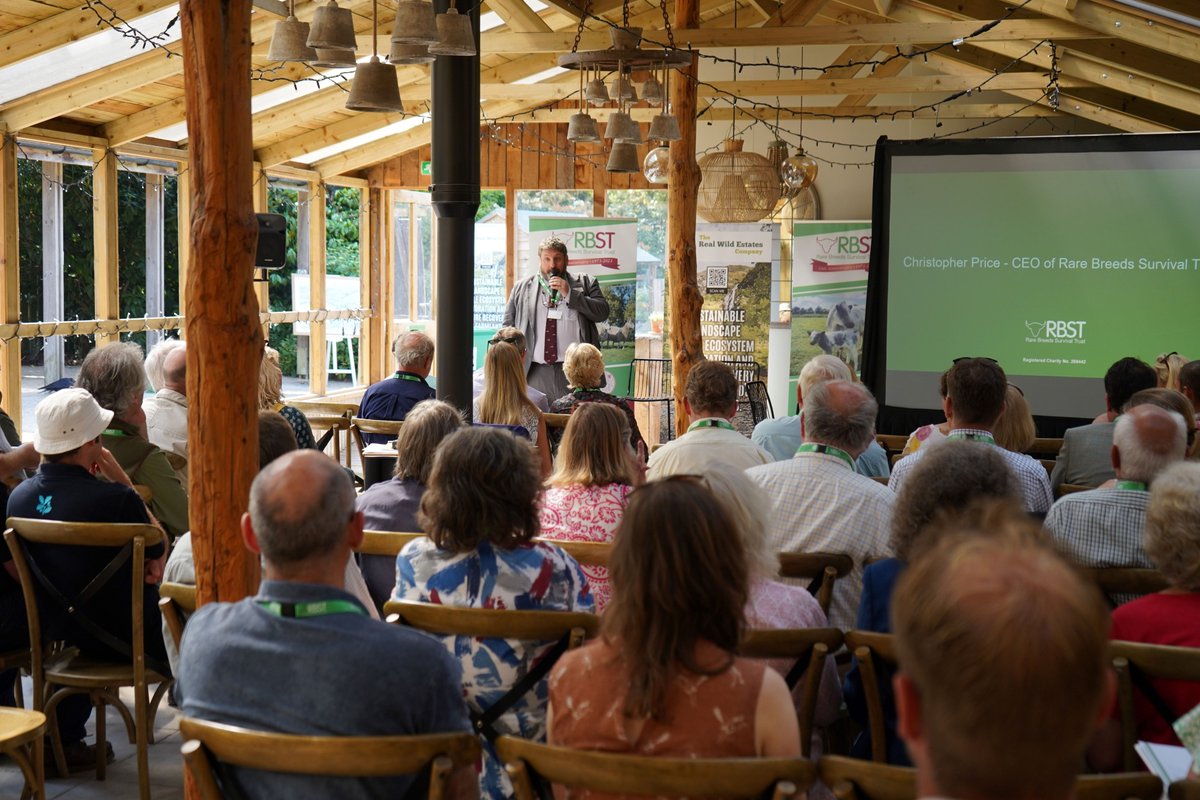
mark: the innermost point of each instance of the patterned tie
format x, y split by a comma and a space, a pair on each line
551, 344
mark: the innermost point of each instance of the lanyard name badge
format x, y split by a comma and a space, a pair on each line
828, 449
711, 423
553, 301
320, 608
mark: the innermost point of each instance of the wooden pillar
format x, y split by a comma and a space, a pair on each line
376, 286
317, 359
104, 250
683, 183
368, 259
510, 237
10, 272
225, 339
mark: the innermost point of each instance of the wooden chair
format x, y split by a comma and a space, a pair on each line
176, 601
823, 569
1070, 488
556, 420
21, 735
73, 673
590, 554
209, 743
1184, 790
330, 422
144, 492
873, 651
1136, 663
376, 427
808, 647
1127, 580
528, 762
1048, 465
386, 543
855, 779
892, 443
1042, 447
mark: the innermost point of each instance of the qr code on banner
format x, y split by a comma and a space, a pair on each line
717, 280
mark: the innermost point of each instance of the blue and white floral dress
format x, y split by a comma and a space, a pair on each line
534, 576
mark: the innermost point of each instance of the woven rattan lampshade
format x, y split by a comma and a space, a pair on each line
736, 186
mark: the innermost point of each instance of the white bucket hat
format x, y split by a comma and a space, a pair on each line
68, 419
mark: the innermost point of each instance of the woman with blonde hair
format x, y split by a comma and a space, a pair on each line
505, 402
1167, 367
1015, 430
584, 367
586, 495
270, 398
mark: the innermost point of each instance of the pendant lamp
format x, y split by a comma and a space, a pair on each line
375, 87
332, 28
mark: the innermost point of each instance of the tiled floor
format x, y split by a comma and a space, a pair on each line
166, 765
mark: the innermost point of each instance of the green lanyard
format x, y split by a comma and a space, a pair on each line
710, 423
986, 438
1133, 486
813, 447
320, 608
404, 376
114, 432
550, 293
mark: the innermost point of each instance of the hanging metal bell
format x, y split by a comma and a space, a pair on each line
375, 88
582, 128
415, 23
289, 42
616, 125
455, 37
631, 131
622, 88
342, 59
652, 91
409, 54
665, 128
623, 158
332, 28
597, 92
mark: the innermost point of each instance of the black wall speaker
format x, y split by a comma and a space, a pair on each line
272, 241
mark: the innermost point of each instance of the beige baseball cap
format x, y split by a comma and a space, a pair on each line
68, 419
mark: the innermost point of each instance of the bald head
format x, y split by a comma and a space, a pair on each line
841, 414
1146, 440
414, 353
300, 507
174, 370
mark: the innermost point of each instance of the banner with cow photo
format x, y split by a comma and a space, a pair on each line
736, 263
829, 290
605, 249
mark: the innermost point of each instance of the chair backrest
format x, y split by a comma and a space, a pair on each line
1070, 488
556, 420
891, 442
590, 554
1184, 790
176, 601
1043, 447
808, 648
206, 743
1137, 664
823, 569
386, 543
328, 429
490, 622
378, 427
1127, 580
650, 379
873, 651
79, 534
643, 775
760, 401
855, 779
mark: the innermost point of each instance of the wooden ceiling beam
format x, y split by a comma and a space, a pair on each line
723, 113
575, 9
794, 13
519, 17
887, 69
66, 27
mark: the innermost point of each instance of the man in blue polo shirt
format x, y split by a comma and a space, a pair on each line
394, 397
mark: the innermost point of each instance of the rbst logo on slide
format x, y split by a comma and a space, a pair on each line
1056, 330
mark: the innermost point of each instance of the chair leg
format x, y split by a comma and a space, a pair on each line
49, 709
155, 702
141, 709
101, 736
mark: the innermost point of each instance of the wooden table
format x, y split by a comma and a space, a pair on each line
21, 733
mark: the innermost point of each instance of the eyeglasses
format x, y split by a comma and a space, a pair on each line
1165, 357
507, 340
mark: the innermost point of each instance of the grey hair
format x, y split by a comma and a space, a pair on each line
293, 526
114, 375
584, 366
424, 427
411, 348
155, 359
948, 479
1140, 462
822, 369
1172, 532
827, 424
748, 507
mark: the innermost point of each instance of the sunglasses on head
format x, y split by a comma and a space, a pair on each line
971, 358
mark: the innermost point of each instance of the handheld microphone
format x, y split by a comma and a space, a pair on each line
555, 272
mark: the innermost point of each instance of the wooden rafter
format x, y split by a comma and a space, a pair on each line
66, 27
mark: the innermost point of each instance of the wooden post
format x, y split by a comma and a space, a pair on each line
318, 359
225, 340
10, 288
683, 183
104, 251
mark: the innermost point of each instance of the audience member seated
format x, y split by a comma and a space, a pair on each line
584, 368
819, 502
975, 389
479, 511
505, 402
1189, 384
115, 377
517, 339
663, 679
1170, 617
155, 358
1005, 674
270, 398
1015, 430
773, 604
950, 479
1166, 369
1085, 457
167, 410
710, 401
1175, 401
1103, 527
781, 437
393, 505
929, 434
584, 498
394, 397
67, 487
303, 656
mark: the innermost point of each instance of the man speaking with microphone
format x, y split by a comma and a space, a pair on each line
555, 310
